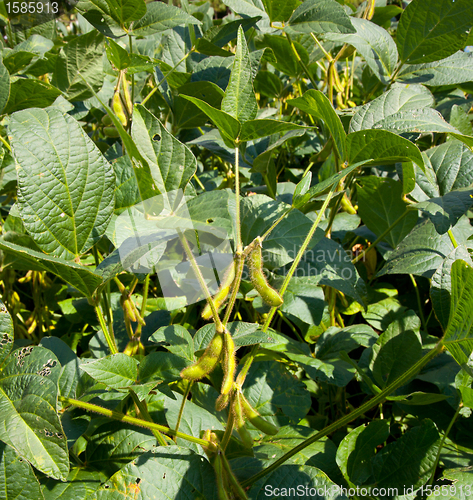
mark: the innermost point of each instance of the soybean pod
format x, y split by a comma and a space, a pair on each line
222, 292
207, 362
234, 484
229, 363
239, 419
256, 419
220, 475
255, 265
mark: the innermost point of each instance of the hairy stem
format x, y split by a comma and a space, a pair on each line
181, 409
144, 413
109, 337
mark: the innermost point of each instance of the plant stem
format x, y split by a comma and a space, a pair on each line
144, 413
419, 303
300, 61
5, 143
181, 409
116, 415
452, 239
130, 40
228, 430
276, 222
108, 337
239, 263
143, 305
388, 230
442, 442
239, 245
379, 398
249, 360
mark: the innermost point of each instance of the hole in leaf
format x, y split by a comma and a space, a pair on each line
156, 137
209, 221
138, 480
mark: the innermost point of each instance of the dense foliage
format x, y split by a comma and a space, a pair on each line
235, 250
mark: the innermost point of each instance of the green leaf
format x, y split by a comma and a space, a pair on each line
408, 462
28, 93
450, 71
181, 473
289, 478
220, 35
115, 371
66, 199
441, 284
171, 163
375, 44
250, 8
316, 104
4, 86
255, 129
445, 211
430, 30
117, 55
380, 203
161, 367
16, 476
458, 337
285, 61
397, 349
459, 119
127, 193
79, 485
28, 395
161, 17
239, 100
319, 16
380, 147
399, 98
459, 488
382, 313
178, 339
228, 126
6, 332
120, 11
357, 448
424, 250
79, 66
77, 276
280, 10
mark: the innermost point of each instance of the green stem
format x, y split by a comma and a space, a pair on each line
116, 415
287, 279
452, 239
5, 143
276, 222
239, 245
108, 337
228, 430
144, 413
143, 305
442, 442
130, 39
300, 61
419, 303
181, 409
379, 398
388, 230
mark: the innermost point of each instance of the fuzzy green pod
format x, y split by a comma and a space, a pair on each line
207, 362
239, 419
220, 474
229, 363
255, 265
106, 120
234, 484
222, 402
118, 108
222, 292
256, 419
110, 132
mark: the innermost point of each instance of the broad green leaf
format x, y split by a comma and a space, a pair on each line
80, 61
178, 339
458, 337
399, 98
270, 389
280, 10
115, 371
28, 93
65, 197
268, 84
242, 333
375, 44
397, 349
81, 484
448, 167
408, 461
115, 444
445, 211
430, 30
220, 35
455, 69
319, 16
289, 478
4, 85
239, 100
252, 8
215, 69
285, 61
6, 332
441, 284
459, 119
30, 424
17, 477
117, 55
161, 366
335, 339
79, 277
161, 17
380, 147
459, 488
255, 129
383, 312
171, 163
258, 213
383, 15
121, 11
380, 204
127, 193
358, 447
316, 104
166, 472
228, 126
424, 250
